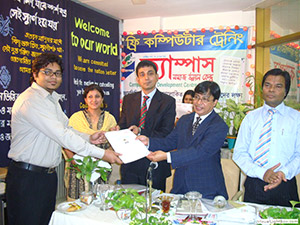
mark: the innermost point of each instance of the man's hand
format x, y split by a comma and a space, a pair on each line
134, 129
157, 156
280, 177
112, 157
116, 128
270, 176
98, 138
143, 139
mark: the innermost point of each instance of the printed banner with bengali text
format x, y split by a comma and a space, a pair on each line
184, 60
86, 40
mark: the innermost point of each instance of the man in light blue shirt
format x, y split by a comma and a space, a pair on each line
270, 174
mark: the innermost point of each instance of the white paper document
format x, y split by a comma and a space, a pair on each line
183, 109
125, 143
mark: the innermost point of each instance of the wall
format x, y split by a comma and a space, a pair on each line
241, 18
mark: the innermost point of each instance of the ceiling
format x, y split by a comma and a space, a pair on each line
125, 9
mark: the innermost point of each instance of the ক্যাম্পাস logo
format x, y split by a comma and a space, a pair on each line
5, 77
5, 29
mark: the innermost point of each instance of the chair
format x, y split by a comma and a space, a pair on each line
231, 175
3, 172
169, 182
232, 178
298, 183
115, 174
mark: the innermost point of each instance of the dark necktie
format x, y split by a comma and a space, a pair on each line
143, 112
195, 125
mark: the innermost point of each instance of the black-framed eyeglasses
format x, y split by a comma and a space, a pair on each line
204, 99
49, 73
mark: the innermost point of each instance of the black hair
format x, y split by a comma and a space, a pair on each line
95, 87
209, 86
42, 61
145, 63
279, 72
188, 92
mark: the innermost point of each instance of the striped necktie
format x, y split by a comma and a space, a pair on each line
195, 125
143, 112
263, 146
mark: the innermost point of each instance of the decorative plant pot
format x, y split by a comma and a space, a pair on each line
231, 142
124, 214
86, 197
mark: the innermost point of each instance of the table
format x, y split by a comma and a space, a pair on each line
93, 216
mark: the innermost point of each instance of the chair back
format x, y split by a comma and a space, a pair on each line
231, 175
298, 183
169, 182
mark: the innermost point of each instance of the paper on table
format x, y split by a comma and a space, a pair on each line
183, 108
125, 143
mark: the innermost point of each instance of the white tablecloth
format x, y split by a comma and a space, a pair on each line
91, 216
94, 216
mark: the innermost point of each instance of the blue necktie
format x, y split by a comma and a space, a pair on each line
263, 146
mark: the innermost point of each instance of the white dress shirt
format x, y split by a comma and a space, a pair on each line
284, 146
40, 128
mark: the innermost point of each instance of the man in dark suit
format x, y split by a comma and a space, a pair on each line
198, 143
158, 122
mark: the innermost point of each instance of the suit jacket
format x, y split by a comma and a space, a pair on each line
197, 158
159, 123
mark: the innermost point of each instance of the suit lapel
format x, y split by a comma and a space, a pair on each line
155, 103
153, 108
136, 107
189, 128
202, 127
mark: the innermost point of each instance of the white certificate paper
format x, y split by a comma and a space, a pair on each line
183, 109
125, 143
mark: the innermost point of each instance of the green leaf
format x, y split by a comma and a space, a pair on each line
79, 161
69, 160
88, 177
231, 104
78, 175
294, 203
237, 121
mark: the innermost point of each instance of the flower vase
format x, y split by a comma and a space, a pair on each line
87, 195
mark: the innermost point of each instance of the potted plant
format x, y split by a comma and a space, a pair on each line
134, 204
233, 113
84, 169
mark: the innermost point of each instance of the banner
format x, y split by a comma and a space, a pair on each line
28, 28
186, 59
94, 56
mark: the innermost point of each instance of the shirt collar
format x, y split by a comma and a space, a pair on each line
150, 95
202, 117
279, 109
44, 92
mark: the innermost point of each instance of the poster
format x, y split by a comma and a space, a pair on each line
186, 59
28, 28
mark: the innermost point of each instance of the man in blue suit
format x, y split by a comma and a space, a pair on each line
197, 139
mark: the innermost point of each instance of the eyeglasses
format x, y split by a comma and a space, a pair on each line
204, 99
49, 73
